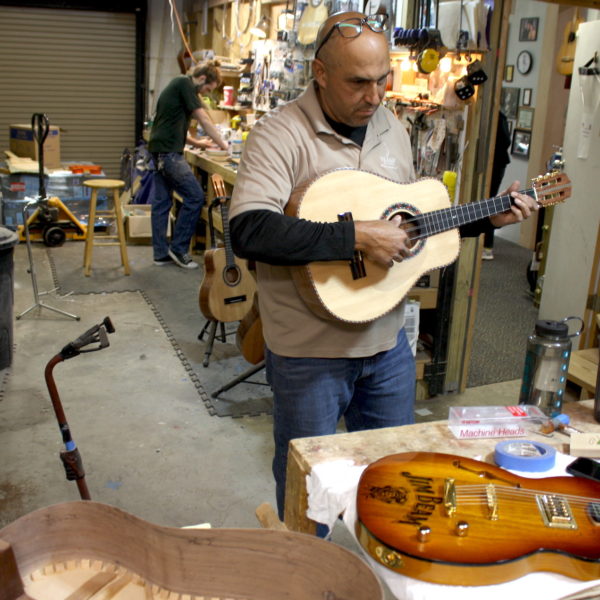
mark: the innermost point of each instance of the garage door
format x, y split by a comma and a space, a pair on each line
77, 67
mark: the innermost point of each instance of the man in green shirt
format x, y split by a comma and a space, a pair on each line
177, 105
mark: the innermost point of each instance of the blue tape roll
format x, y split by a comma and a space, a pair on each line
524, 455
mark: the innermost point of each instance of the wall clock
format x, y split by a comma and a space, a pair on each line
524, 62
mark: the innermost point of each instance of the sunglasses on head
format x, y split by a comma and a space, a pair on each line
353, 26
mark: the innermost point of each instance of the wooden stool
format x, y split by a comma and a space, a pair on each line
92, 239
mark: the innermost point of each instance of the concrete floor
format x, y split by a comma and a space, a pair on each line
148, 444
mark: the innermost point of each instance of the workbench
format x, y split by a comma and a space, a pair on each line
200, 162
364, 447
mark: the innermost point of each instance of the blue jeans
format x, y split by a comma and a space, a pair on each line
310, 396
173, 173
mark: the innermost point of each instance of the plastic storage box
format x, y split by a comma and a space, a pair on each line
471, 422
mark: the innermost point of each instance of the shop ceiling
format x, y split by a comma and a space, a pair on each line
198, 5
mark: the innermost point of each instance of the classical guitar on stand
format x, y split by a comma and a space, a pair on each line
360, 290
227, 289
457, 521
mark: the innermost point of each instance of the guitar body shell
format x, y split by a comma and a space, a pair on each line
220, 300
401, 492
565, 57
328, 287
249, 335
90, 550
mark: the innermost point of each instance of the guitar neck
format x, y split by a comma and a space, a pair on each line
229, 256
438, 221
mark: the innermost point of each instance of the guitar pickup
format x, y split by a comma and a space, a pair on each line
556, 511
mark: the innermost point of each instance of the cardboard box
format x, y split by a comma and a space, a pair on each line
23, 144
138, 224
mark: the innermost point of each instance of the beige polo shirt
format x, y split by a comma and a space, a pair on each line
288, 147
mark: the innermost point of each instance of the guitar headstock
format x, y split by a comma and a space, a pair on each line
552, 188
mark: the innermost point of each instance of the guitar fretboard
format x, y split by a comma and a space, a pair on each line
445, 219
229, 256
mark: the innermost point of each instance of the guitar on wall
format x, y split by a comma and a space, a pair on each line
457, 521
313, 15
227, 289
565, 57
363, 290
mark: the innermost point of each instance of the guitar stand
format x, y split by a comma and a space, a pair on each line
241, 379
210, 327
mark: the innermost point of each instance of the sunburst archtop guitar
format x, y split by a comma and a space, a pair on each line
363, 290
453, 520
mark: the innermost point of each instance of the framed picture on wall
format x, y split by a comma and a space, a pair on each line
509, 101
527, 96
520, 143
509, 71
525, 118
528, 29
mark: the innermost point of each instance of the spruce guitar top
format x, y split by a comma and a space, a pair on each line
363, 290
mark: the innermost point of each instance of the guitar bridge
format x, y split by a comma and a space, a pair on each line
357, 263
555, 511
492, 502
449, 496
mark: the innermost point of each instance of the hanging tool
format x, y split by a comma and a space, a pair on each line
70, 457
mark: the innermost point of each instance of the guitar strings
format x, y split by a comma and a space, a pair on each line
471, 493
436, 217
436, 221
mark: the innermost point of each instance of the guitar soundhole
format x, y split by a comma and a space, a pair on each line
410, 223
411, 227
231, 275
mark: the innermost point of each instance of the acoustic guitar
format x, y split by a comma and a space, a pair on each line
363, 290
227, 289
312, 17
565, 57
249, 335
454, 520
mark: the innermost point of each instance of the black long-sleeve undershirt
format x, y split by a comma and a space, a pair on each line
277, 239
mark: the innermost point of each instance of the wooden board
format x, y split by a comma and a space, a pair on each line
583, 370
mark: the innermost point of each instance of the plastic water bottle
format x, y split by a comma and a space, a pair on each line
547, 365
236, 145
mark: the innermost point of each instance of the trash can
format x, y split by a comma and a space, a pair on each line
8, 240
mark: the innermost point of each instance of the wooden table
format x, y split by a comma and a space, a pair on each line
365, 447
199, 160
